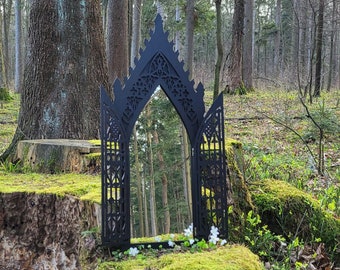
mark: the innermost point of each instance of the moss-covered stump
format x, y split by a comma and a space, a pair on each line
233, 257
238, 192
58, 155
292, 213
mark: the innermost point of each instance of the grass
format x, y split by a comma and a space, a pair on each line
259, 121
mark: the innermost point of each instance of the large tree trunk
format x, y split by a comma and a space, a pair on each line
117, 48
64, 68
319, 42
235, 68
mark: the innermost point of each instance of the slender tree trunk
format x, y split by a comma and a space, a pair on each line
235, 68
248, 48
165, 202
2, 63
18, 47
319, 42
136, 30
188, 60
7, 10
331, 55
117, 49
219, 46
277, 39
139, 183
135, 44
152, 200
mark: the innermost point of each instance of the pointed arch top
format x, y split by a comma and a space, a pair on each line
158, 65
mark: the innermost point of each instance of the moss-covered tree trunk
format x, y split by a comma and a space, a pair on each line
239, 196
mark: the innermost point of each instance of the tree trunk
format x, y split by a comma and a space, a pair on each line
136, 30
117, 49
188, 60
248, 48
319, 42
235, 68
219, 46
18, 47
135, 44
165, 202
332, 66
7, 15
64, 69
152, 201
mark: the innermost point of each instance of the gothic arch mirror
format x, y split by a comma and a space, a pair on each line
158, 66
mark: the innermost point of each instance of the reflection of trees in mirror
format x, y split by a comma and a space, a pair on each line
159, 203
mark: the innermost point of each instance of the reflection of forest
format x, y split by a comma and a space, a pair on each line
159, 192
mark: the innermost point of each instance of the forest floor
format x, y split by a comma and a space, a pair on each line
280, 135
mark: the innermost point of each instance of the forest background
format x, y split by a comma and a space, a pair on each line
282, 57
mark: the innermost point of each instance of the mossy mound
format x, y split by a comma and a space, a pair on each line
292, 213
233, 257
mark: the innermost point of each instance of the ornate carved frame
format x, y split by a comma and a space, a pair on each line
158, 65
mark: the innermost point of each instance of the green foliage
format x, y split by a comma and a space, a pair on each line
293, 213
5, 95
260, 239
327, 120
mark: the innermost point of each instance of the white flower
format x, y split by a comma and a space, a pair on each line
172, 236
188, 231
171, 243
214, 231
213, 239
223, 242
158, 238
191, 241
133, 251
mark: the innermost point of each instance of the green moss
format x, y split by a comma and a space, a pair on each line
291, 212
86, 187
233, 257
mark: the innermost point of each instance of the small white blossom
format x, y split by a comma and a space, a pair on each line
158, 238
172, 236
171, 243
214, 231
133, 251
191, 241
188, 231
213, 239
223, 242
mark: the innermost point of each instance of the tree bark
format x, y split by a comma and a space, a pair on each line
165, 202
248, 48
117, 49
235, 68
18, 47
64, 68
319, 42
219, 46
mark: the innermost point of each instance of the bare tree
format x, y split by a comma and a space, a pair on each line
248, 44
18, 47
319, 42
235, 67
